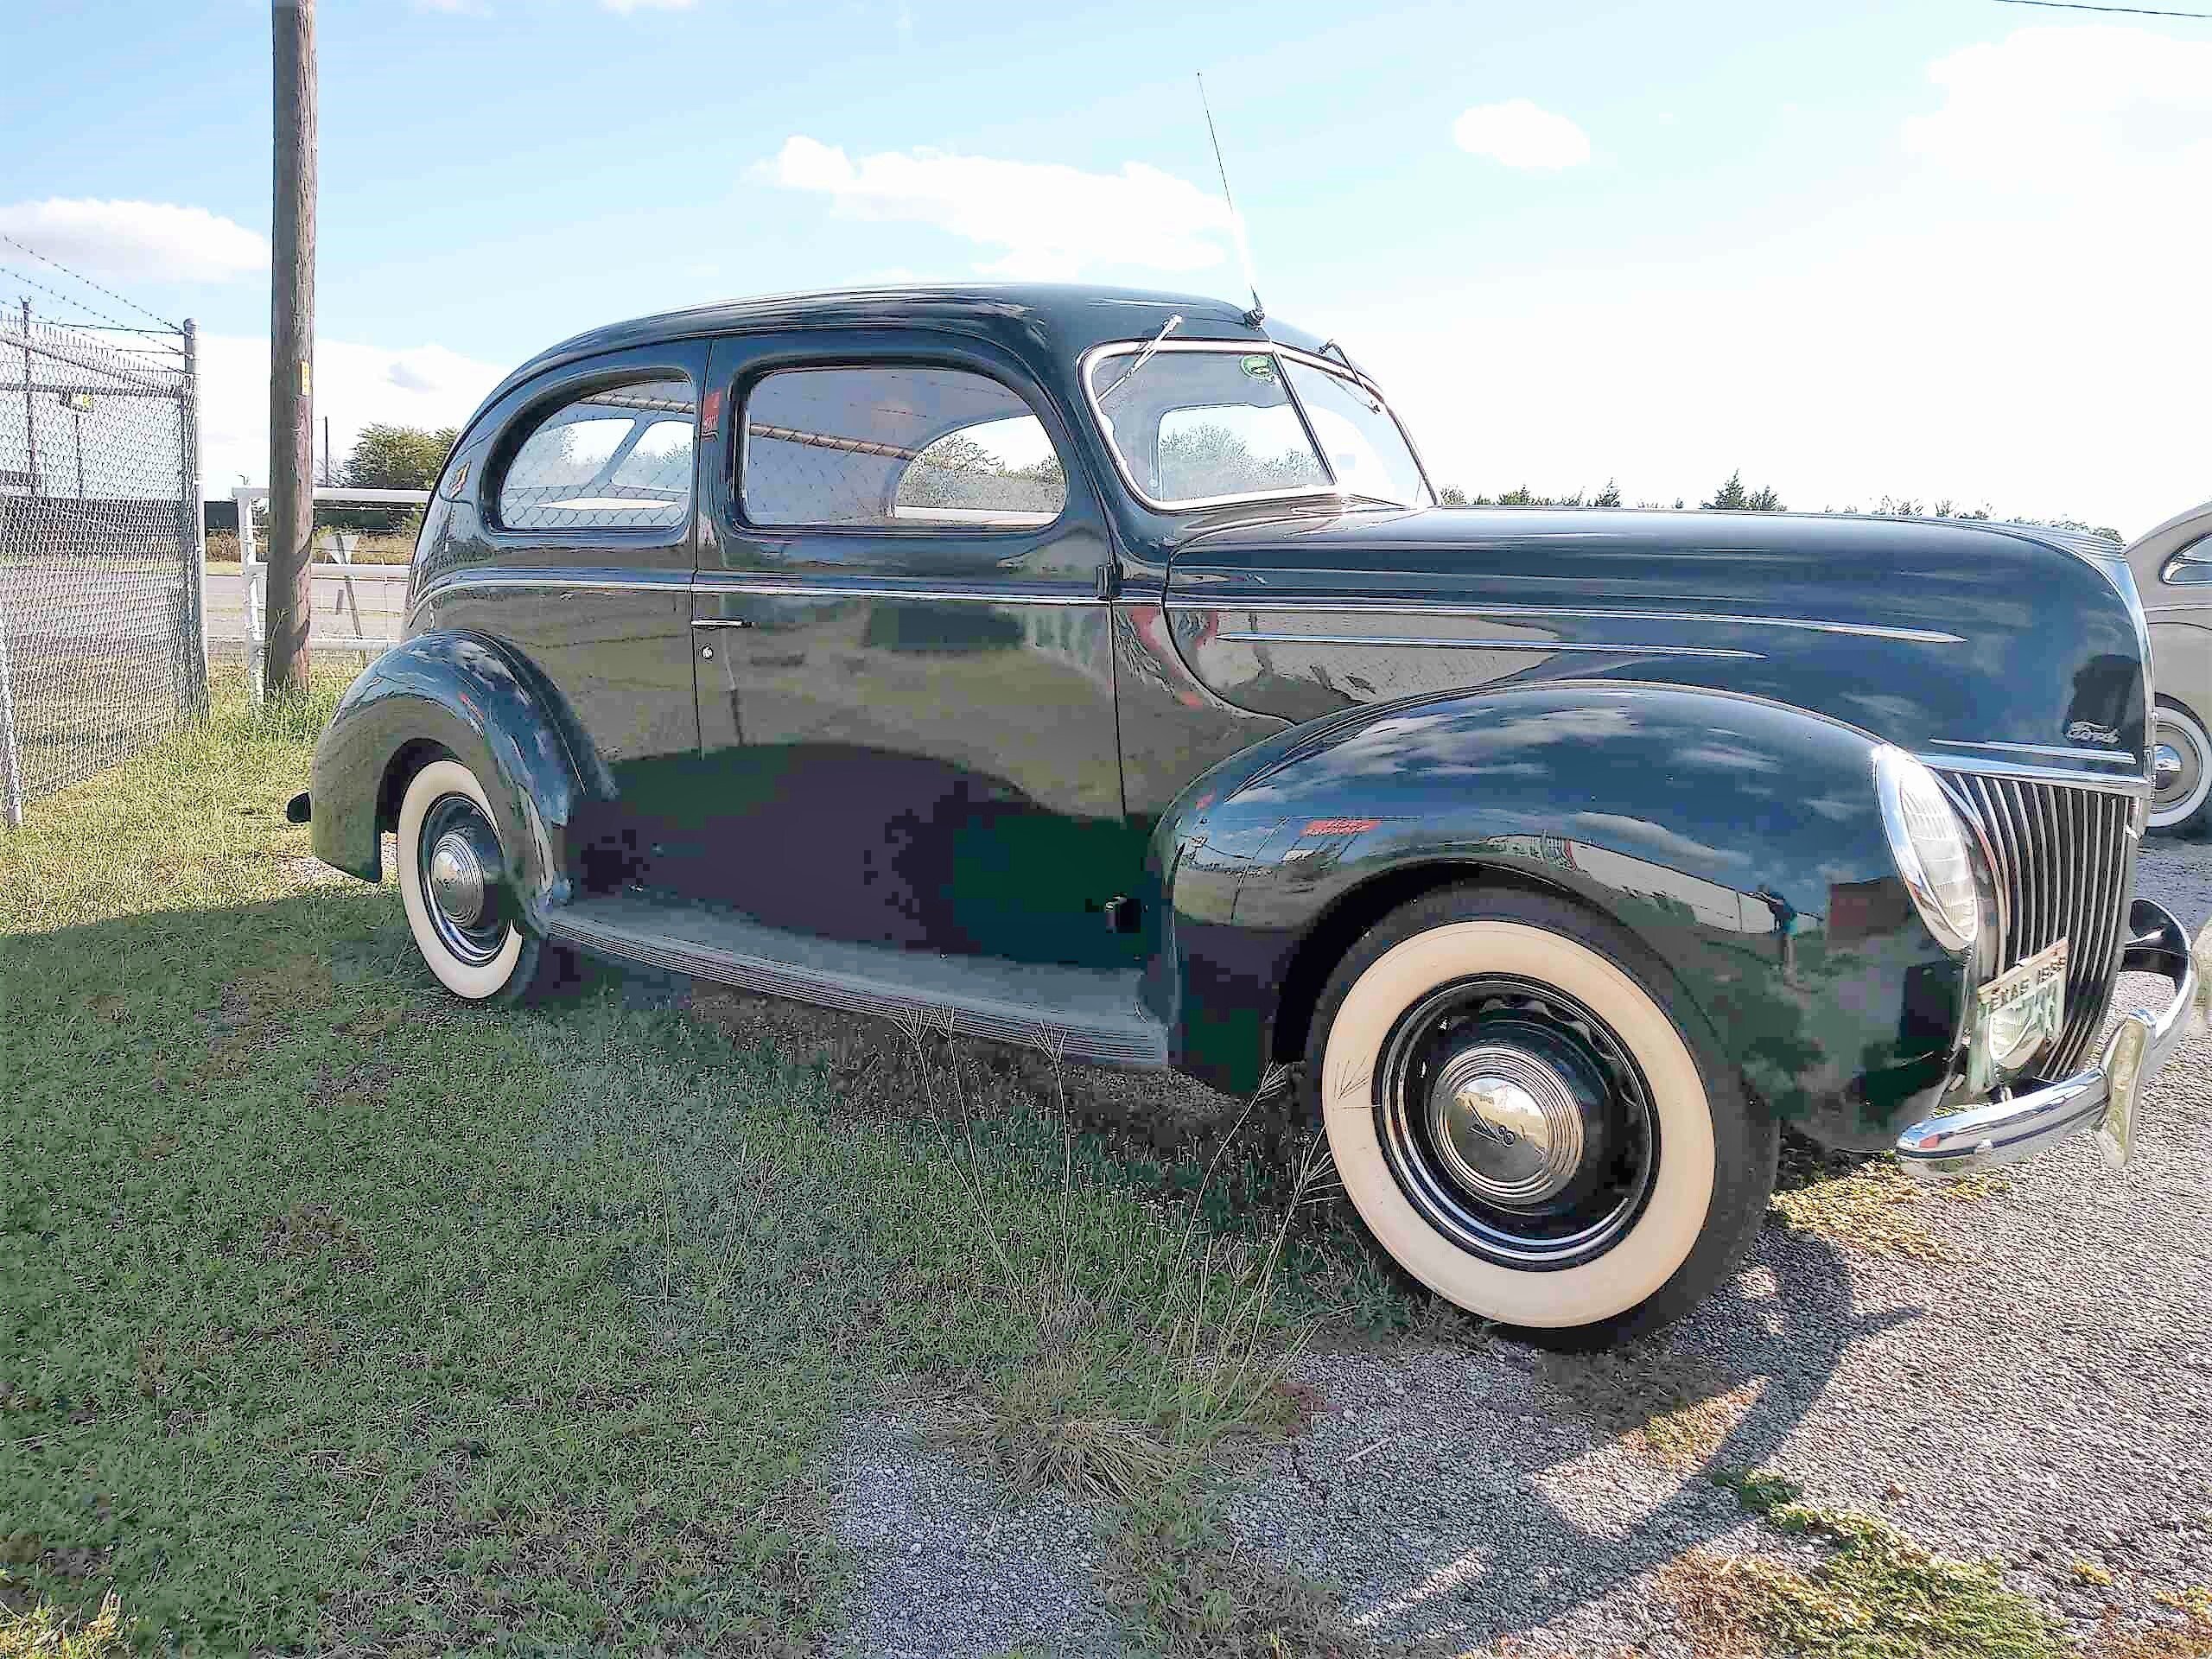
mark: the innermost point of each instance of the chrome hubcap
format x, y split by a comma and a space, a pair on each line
1515, 1122
1505, 1124
460, 871
2165, 766
457, 878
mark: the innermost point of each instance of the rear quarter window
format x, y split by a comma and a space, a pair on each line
615, 458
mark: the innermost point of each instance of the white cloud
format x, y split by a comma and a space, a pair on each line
2096, 107
1048, 220
628, 6
138, 241
1519, 134
355, 385
2009, 312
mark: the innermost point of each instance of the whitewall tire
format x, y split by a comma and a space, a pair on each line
2182, 803
1526, 1125
449, 868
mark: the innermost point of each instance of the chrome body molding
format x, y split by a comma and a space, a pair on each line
1945, 760
2103, 1095
2057, 751
1261, 637
834, 588
671, 583
1349, 607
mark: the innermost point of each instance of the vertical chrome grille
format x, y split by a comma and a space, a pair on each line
2064, 867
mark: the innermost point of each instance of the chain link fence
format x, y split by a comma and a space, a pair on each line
101, 643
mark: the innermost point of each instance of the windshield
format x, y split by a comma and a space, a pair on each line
1200, 423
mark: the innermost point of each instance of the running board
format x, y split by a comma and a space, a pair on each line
1087, 1014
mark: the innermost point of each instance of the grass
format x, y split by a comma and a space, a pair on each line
1870, 1592
1869, 1204
1182, 1592
344, 1315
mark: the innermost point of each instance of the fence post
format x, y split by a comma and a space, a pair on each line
12, 784
244, 497
194, 523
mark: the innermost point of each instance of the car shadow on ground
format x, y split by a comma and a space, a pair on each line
1485, 1490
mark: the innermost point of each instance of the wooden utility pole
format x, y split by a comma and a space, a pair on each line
291, 350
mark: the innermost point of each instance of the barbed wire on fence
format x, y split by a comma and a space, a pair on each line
124, 299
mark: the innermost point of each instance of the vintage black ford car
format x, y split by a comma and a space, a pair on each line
1095, 667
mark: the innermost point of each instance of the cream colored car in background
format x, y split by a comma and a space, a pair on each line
2173, 572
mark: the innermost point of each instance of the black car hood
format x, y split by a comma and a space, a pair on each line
1935, 635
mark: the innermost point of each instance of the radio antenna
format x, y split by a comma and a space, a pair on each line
1258, 314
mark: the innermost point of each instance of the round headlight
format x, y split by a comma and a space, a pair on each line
1929, 845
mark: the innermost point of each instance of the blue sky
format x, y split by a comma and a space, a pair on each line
1941, 248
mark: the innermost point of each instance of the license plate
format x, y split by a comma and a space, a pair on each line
2017, 1014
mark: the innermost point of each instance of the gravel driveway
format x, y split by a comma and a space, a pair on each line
2034, 1384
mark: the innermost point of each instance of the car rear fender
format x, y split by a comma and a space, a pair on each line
477, 700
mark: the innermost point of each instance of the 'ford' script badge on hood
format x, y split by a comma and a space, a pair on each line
2088, 731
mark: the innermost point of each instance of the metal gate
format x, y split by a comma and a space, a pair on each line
102, 642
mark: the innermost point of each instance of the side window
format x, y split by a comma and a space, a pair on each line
2192, 566
618, 458
895, 448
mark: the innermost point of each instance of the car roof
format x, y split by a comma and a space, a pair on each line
1070, 317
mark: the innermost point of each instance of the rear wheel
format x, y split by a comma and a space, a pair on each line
1521, 1112
452, 882
2180, 758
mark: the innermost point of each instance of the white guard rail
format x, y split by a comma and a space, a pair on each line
255, 570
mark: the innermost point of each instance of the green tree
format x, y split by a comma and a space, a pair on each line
1732, 497
389, 457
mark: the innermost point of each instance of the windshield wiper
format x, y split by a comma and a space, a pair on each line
1144, 356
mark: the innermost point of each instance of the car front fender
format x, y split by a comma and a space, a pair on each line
476, 700
1740, 840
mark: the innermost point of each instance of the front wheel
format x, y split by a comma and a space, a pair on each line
452, 884
2181, 755
1520, 1113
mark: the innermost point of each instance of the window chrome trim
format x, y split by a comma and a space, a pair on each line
1261, 602
1267, 637
1086, 371
1945, 761
2059, 751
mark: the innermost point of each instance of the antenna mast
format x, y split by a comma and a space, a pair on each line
1258, 314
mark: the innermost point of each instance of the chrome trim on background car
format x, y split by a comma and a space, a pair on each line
1960, 1143
1263, 638
1420, 607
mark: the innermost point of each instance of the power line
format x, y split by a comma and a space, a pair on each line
2126, 11
79, 275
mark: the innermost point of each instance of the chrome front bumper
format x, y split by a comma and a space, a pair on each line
2102, 1096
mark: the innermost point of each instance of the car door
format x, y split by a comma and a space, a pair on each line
575, 545
906, 682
